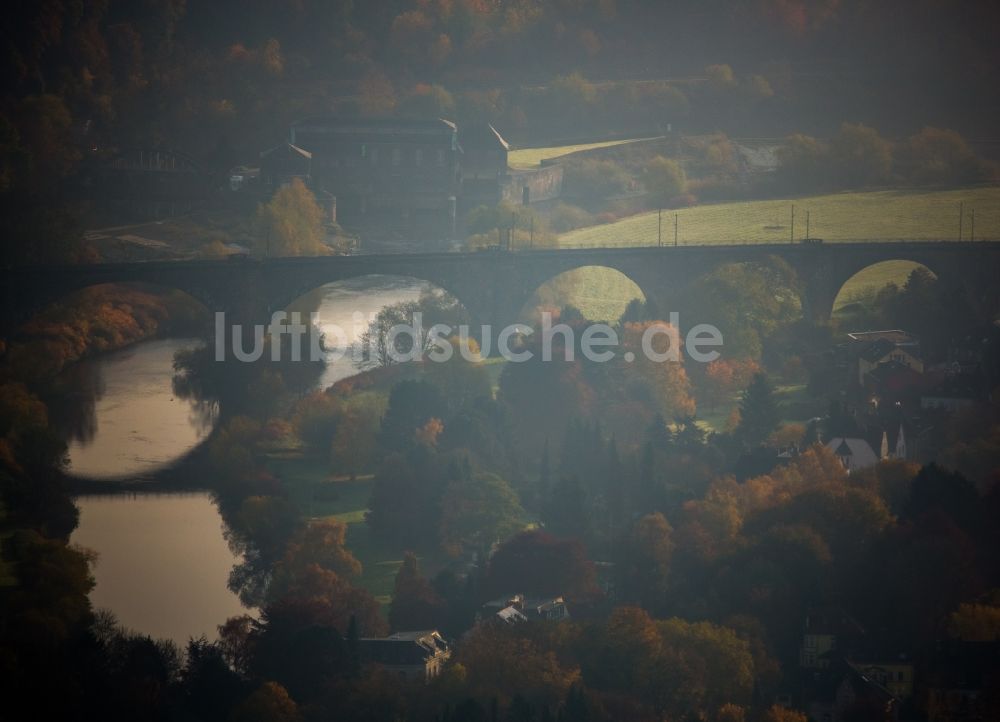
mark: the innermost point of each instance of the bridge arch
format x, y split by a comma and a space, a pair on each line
850, 268
600, 292
344, 309
492, 286
859, 290
346, 301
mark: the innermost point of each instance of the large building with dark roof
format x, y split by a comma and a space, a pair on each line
412, 656
403, 168
417, 175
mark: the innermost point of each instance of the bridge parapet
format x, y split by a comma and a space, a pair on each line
492, 285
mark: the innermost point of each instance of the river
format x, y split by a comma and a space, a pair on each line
163, 562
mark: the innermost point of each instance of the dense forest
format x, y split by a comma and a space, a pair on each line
221, 81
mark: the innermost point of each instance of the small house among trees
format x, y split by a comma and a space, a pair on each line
412, 656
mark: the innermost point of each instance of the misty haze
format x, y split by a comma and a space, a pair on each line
500, 361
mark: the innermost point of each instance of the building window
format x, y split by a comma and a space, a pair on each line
374, 156
397, 156
440, 157
364, 150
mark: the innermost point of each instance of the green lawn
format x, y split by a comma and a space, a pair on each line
898, 214
531, 157
320, 496
864, 284
600, 293
794, 402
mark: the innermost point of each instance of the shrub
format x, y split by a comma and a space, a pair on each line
937, 156
860, 156
684, 200
592, 178
664, 177
565, 217
803, 163
486, 219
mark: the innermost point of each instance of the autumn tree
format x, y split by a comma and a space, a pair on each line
923, 571
411, 405
291, 223
860, 156
730, 712
317, 418
382, 347
713, 666
352, 448
645, 562
500, 664
667, 380
376, 95
318, 596
747, 302
427, 102
720, 77
234, 642
299, 643
976, 622
415, 604
723, 377
321, 542
803, 163
759, 414
49, 600
462, 378
316, 570
539, 564
938, 156
777, 713
478, 510
415, 40
674, 666
257, 530
664, 178
571, 94
212, 687
407, 495
542, 395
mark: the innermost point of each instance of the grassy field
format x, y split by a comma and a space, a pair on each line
794, 404
899, 214
600, 293
531, 157
320, 496
918, 214
863, 285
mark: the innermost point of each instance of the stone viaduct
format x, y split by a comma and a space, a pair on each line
493, 285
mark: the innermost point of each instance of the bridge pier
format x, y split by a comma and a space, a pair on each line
817, 303
493, 286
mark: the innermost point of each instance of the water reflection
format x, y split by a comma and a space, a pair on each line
74, 409
120, 415
162, 562
336, 304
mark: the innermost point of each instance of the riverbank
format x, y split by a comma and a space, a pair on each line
185, 474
